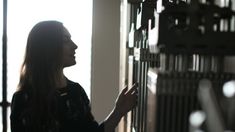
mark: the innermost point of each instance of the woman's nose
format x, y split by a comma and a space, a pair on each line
75, 46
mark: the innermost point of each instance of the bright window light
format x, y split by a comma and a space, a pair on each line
1, 31
76, 16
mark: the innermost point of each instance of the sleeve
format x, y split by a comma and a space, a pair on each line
91, 124
15, 116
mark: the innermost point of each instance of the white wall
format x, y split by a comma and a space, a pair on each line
105, 56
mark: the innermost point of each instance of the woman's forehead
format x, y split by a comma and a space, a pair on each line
66, 32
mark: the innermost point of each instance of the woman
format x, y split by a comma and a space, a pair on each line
46, 101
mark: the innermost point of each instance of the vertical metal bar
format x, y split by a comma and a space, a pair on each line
137, 108
186, 105
130, 80
192, 93
168, 103
146, 96
4, 67
158, 103
147, 57
180, 105
174, 99
139, 95
144, 74
161, 100
143, 96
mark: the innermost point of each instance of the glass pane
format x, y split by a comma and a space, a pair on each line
8, 119
23, 14
1, 128
1, 31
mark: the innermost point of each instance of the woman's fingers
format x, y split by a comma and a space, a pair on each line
133, 90
133, 95
124, 90
127, 99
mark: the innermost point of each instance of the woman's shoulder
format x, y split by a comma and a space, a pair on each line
18, 102
20, 95
70, 82
76, 88
74, 85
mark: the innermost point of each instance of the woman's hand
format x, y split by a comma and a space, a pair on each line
126, 100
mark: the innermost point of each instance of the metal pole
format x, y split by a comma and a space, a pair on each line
4, 68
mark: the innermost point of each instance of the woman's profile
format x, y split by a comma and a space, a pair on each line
46, 100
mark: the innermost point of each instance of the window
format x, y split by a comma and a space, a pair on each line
1, 34
24, 14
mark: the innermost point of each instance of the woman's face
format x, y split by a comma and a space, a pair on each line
69, 48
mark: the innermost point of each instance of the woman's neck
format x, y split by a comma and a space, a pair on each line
61, 81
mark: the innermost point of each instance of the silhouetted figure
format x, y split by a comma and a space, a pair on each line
47, 101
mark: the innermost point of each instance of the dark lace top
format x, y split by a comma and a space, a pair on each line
74, 111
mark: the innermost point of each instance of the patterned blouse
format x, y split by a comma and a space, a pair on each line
74, 110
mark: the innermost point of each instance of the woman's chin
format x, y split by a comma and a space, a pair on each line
70, 64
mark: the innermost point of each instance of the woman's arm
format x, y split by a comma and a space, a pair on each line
126, 101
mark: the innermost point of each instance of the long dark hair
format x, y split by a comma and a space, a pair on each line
39, 71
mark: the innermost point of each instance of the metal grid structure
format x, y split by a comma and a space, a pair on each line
172, 45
